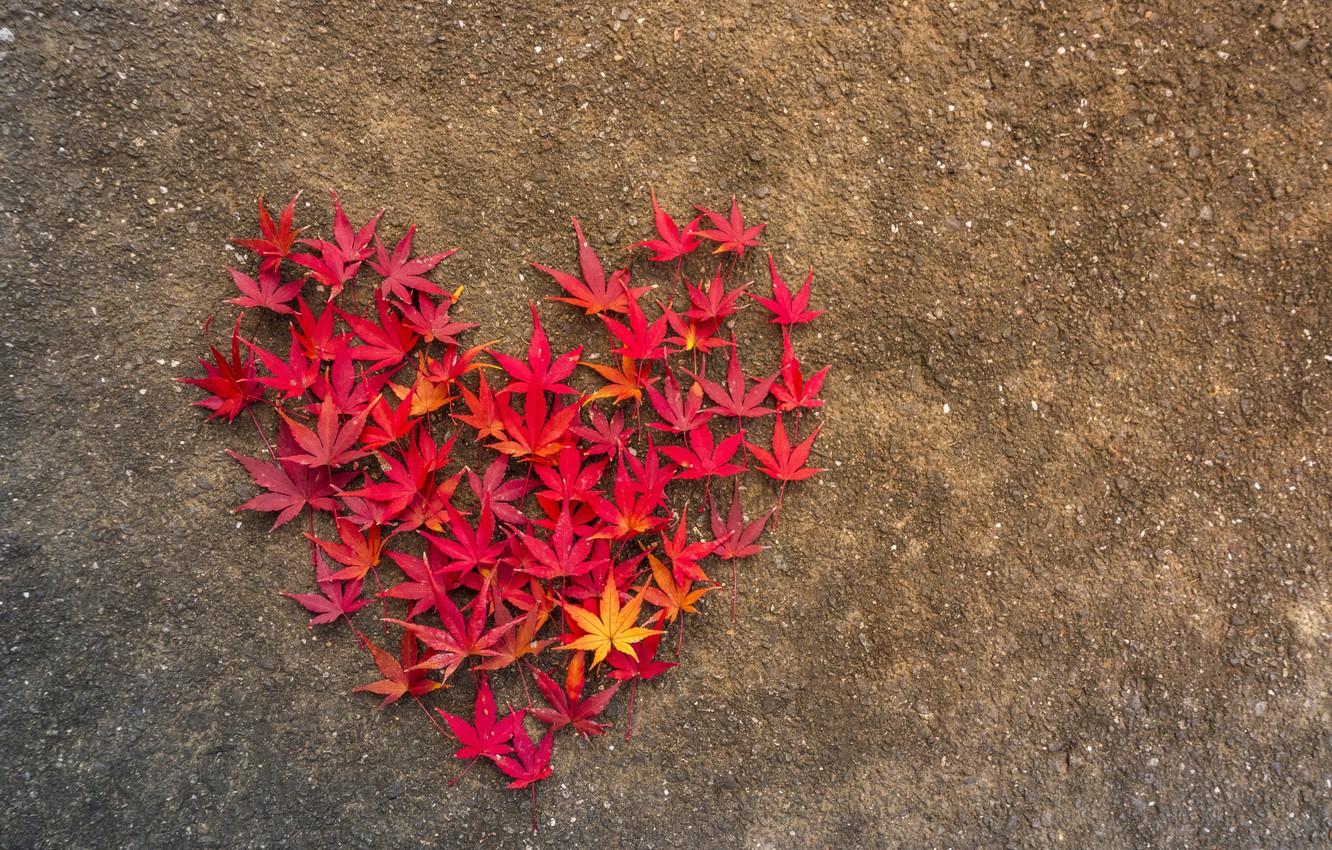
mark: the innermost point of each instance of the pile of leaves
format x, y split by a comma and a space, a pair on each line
512, 513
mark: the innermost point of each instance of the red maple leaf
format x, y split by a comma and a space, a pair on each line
795, 391
317, 332
691, 335
640, 340
567, 706
535, 436
645, 666
608, 437
401, 272
564, 556
387, 342
731, 232
460, 638
233, 385
714, 305
276, 241
432, 320
785, 463
684, 556
291, 486
333, 443
483, 410
538, 373
498, 494
593, 292
734, 400
400, 677
292, 376
787, 309
703, 458
680, 412
735, 538
390, 424
532, 764
335, 598
674, 242
270, 292
487, 735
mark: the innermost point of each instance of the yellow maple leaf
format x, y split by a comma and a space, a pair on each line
614, 627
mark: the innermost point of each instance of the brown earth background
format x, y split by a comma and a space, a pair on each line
1065, 583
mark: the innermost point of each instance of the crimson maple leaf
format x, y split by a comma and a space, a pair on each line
292, 486
645, 666
608, 437
674, 242
564, 556
567, 706
399, 676
338, 261
401, 272
691, 335
538, 373
270, 292
731, 232
795, 391
292, 376
233, 385
735, 538
471, 548
680, 411
333, 443
703, 459
629, 512
535, 437
460, 638
483, 410
276, 241
497, 494
335, 598
714, 305
432, 320
593, 292
487, 735
317, 332
387, 342
683, 555
533, 762
640, 340
390, 424
785, 463
734, 400
788, 309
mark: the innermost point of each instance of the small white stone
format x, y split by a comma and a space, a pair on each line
6, 35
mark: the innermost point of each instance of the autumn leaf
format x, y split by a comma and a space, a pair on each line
674, 242
593, 292
612, 628
786, 308
399, 676
731, 232
276, 240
